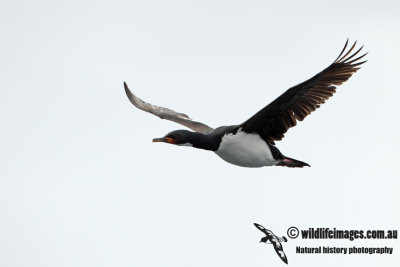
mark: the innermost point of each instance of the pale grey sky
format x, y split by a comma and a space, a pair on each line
81, 183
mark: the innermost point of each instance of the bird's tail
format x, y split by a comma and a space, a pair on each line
292, 163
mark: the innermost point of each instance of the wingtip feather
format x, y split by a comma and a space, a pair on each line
344, 48
132, 98
348, 52
126, 88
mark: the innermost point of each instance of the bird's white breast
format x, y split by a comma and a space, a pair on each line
246, 150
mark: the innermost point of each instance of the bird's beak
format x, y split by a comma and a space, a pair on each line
159, 140
165, 140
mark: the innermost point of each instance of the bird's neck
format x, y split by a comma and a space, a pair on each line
203, 141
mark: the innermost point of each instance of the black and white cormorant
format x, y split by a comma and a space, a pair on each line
251, 143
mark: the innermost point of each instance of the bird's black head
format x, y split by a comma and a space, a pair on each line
264, 239
179, 137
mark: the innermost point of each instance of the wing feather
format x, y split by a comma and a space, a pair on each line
165, 113
274, 120
279, 250
260, 227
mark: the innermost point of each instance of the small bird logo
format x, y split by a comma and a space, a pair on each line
274, 240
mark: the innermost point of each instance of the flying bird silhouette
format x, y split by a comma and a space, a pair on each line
274, 240
252, 143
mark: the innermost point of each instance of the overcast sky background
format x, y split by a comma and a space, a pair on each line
81, 183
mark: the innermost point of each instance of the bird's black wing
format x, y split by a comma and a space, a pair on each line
263, 229
279, 250
273, 121
165, 113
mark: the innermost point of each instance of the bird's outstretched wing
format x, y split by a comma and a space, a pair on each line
273, 121
165, 113
263, 229
279, 250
